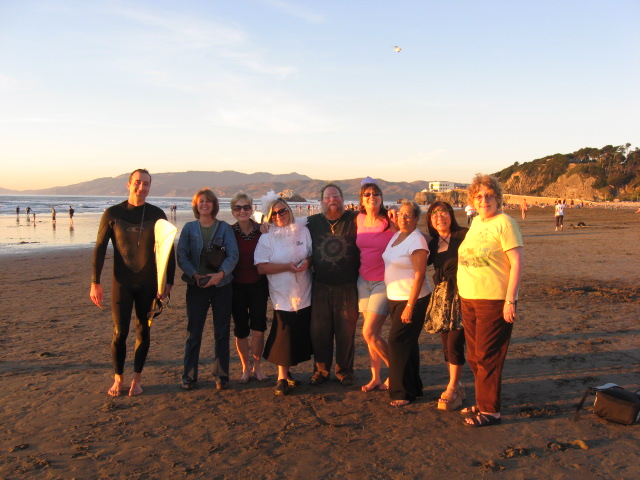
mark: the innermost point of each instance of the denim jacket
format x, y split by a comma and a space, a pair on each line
190, 245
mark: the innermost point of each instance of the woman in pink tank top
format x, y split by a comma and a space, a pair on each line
374, 232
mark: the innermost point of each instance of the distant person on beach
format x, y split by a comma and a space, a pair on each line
524, 207
443, 314
283, 256
469, 210
17, 211
53, 214
130, 227
28, 211
208, 285
72, 211
336, 261
559, 211
250, 291
490, 263
374, 232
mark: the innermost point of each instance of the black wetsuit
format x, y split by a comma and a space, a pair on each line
134, 274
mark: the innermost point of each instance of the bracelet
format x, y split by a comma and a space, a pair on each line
508, 302
409, 304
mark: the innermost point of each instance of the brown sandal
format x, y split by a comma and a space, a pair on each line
449, 402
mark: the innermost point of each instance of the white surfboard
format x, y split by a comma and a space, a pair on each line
165, 233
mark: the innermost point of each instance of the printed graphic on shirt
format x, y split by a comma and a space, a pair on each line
477, 256
333, 249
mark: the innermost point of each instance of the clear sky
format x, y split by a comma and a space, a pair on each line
94, 89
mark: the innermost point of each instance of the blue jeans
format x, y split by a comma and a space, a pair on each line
198, 302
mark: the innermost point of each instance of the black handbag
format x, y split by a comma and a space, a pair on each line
215, 253
617, 405
613, 403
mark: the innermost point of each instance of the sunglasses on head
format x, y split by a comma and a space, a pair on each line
239, 208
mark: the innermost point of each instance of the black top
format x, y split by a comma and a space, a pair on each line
131, 231
446, 263
336, 257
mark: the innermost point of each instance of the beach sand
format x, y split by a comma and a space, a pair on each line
577, 328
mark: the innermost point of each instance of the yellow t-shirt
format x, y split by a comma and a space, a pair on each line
483, 265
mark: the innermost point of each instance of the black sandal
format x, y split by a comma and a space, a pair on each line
483, 420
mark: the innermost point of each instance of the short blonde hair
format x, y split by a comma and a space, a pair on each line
241, 196
272, 204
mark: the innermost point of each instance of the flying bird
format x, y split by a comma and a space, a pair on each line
397, 49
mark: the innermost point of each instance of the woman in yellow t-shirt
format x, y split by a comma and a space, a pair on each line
490, 262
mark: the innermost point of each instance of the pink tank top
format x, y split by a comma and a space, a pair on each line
372, 241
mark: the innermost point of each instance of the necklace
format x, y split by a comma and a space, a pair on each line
445, 239
141, 221
332, 226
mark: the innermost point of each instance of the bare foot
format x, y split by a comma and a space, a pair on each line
371, 386
399, 403
472, 410
244, 378
136, 388
257, 371
116, 388
384, 386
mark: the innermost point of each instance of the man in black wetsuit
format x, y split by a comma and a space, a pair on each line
130, 227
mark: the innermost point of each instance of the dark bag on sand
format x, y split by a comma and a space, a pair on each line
613, 403
215, 253
443, 311
617, 405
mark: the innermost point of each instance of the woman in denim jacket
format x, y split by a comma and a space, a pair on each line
206, 286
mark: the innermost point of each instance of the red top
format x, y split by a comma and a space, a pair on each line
246, 271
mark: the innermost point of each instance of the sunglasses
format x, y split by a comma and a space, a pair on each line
156, 309
368, 194
281, 213
239, 208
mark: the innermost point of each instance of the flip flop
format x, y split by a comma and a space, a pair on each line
483, 420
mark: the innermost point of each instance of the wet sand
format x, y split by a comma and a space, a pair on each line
577, 327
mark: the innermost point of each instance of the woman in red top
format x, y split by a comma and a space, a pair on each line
250, 290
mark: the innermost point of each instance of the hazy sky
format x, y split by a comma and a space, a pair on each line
97, 88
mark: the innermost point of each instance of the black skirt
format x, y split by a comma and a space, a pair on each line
289, 341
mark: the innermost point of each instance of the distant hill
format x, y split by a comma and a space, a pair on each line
225, 184
589, 173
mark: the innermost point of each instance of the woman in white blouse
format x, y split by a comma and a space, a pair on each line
282, 255
405, 261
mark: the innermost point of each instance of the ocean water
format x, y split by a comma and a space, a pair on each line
19, 234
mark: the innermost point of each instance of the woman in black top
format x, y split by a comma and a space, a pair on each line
443, 315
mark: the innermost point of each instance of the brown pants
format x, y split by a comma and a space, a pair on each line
487, 335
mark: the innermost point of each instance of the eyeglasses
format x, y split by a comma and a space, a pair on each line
440, 213
368, 194
239, 208
486, 198
405, 216
280, 213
